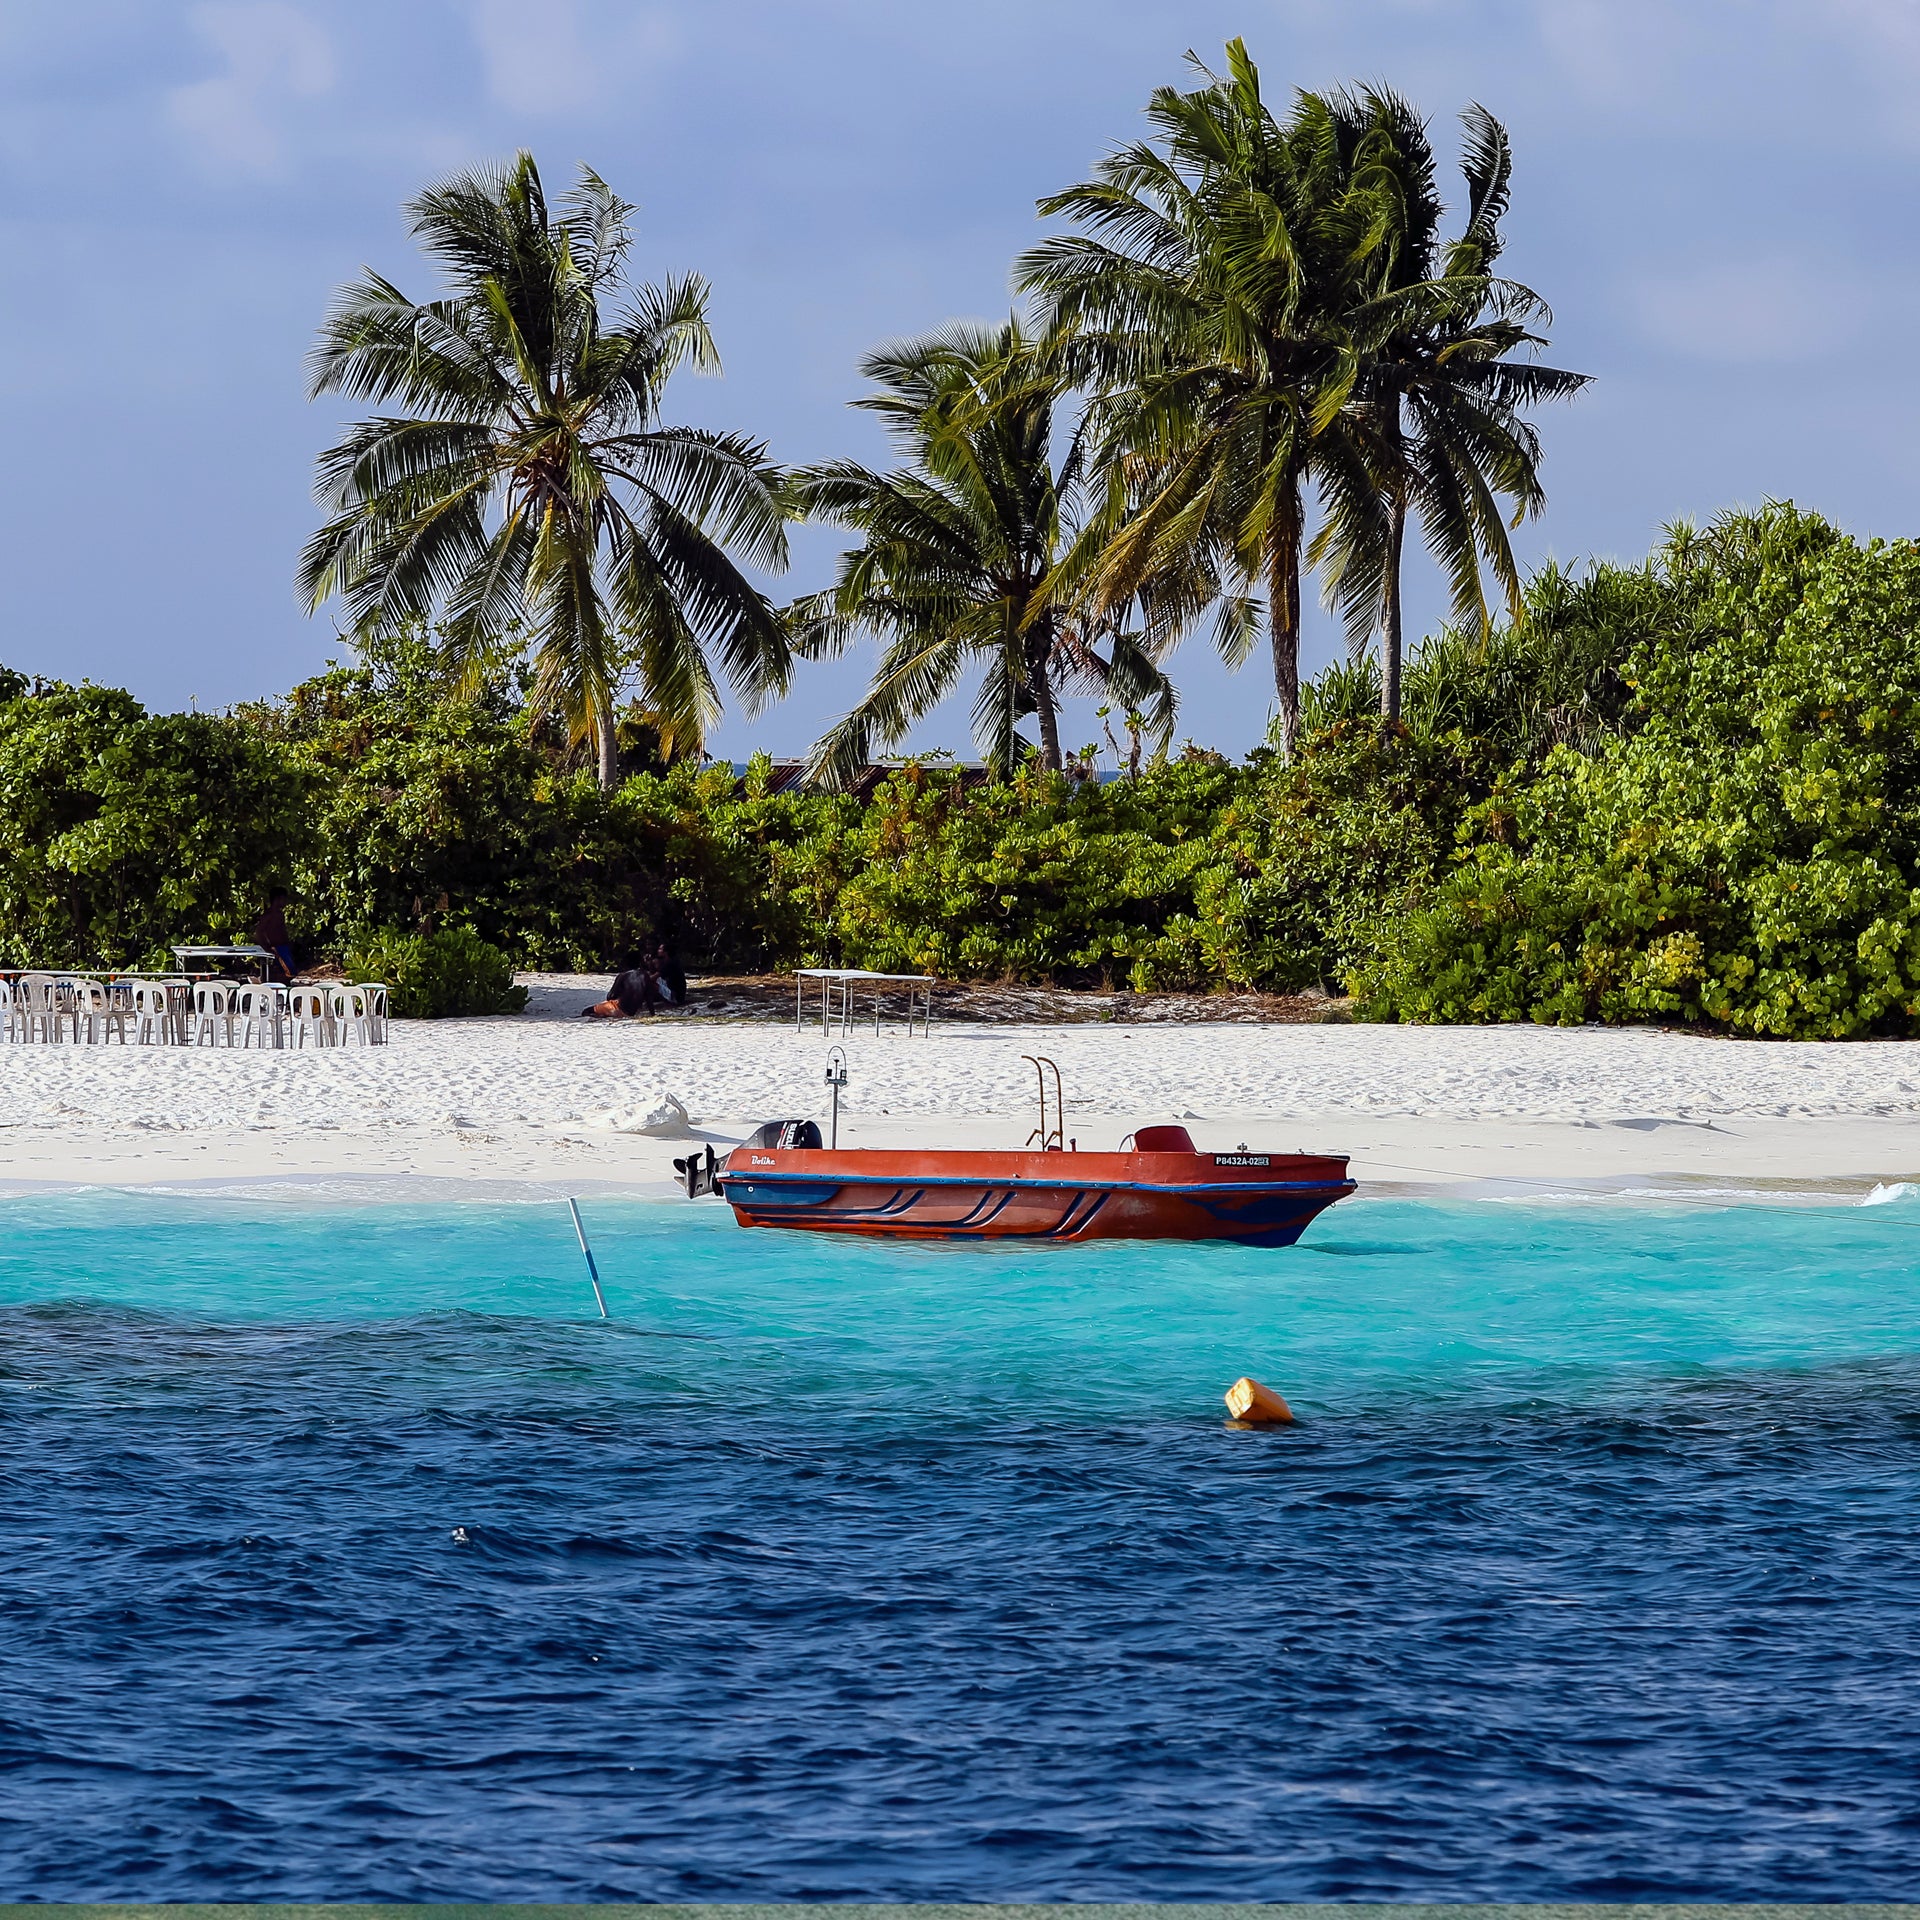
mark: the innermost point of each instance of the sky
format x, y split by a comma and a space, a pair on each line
1717, 197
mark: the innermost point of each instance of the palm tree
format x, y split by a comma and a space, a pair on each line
527, 485
1436, 417
960, 554
1211, 304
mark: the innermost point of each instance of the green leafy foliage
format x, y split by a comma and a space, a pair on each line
123, 831
435, 809
735, 875
432, 976
1034, 878
1309, 852
1686, 792
1744, 855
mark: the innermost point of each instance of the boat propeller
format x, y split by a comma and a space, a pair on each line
697, 1173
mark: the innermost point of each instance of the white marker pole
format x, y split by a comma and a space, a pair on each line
593, 1272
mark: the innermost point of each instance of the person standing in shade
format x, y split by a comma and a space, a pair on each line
270, 931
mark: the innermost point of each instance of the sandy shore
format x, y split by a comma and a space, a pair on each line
550, 1099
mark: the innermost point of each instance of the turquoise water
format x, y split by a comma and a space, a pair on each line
1387, 1299
347, 1555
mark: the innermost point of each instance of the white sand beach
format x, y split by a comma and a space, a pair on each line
548, 1098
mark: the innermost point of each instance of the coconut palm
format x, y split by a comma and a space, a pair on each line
1436, 421
1210, 300
527, 487
960, 556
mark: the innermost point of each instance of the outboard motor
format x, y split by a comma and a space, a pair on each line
697, 1172
787, 1134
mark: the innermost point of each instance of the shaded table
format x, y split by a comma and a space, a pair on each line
839, 984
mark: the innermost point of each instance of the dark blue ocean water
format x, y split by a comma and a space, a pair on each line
342, 1556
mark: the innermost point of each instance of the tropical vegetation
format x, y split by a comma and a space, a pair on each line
1260, 305
617, 542
1679, 791
965, 556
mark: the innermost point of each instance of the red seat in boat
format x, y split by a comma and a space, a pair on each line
1163, 1140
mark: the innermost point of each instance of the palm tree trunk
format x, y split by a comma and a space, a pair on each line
1040, 690
606, 742
1390, 606
1283, 618
1390, 611
1045, 712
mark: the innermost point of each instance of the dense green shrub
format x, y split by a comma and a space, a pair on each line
1746, 856
734, 875
1308, 852
123, 832
1034, 878
1684, 791
439, 809
432, 976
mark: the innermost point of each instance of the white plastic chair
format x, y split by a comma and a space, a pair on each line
310, 1013
351, 1008
6, 1010
260, 1014
36, 1007
61, 1003
96, 1013
68, 1001
213, 1013
377, 1027
156, 1019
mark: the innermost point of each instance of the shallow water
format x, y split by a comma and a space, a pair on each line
345, 1556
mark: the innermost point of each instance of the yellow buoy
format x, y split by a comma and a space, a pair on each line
1253, 1405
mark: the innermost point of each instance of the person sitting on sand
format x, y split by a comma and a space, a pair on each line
270, 931
673, 976
635, 990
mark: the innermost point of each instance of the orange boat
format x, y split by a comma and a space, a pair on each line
1159, 1186
1164, 1189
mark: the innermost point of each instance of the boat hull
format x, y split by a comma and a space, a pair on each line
1260, 1200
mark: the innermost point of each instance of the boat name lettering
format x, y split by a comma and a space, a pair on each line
761, 1160
1241, 1160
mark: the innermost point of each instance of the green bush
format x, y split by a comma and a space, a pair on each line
433, 976
123, 832
1746, 857
1307, 853
437, 808
734, 875
1038, 878
1686, 791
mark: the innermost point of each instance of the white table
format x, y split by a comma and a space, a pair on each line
220, 956
842, 982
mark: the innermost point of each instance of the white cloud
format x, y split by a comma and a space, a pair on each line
535, 60
1889, 29
1751, 312
550, 57
1609, 52
273, 54
1885, 37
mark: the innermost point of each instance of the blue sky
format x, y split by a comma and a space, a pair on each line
1717, 196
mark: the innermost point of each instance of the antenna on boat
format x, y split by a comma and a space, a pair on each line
1054, 1137
836, 1079
593, 1272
